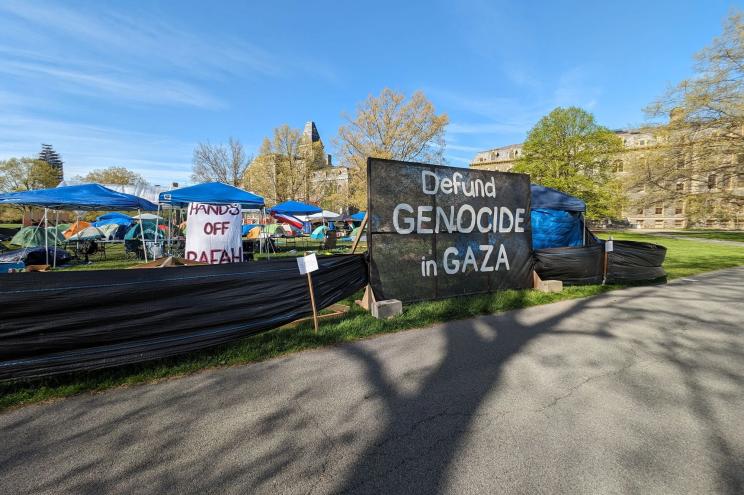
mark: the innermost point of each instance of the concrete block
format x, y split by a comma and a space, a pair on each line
550, 286
386, 309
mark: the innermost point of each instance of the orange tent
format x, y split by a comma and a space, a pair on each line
75, 228
254, 233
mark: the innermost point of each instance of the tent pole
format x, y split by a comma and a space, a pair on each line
56, 226
46, 237
170, 222
142, 233
157, 221
583, 230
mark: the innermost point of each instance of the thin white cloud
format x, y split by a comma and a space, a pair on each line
84, 147
116, 84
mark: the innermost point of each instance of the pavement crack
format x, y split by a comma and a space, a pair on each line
589, 379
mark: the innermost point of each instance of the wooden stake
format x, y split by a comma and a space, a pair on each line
606, 262
360, 234
312, 299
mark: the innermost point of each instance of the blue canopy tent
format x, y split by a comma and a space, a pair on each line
81, 197
214, 193
295, 208
359, 216
557, 219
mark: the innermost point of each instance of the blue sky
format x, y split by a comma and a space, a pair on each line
138, 84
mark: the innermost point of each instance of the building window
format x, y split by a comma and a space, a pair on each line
640, 211
659, 210
678, 223
712, 181
659, 224
617, 166
680, 186
677, 210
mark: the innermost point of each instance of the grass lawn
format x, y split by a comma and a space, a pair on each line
688, 257
684, 258
721, 235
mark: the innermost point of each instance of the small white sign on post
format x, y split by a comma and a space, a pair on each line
307, 263
609, 246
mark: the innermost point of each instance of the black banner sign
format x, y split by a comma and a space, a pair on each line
437, 232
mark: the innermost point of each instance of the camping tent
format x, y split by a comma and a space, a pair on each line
296, 208
557, 219
83, 197
319, 233
75, 228
113, 231
87, 234
215, 193
34, 236
355, 233
114, 218
147, 216
150, 229
274, 229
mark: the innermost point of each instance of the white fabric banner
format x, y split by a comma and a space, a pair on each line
213, 233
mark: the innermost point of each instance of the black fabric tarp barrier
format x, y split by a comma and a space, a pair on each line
629, 261
571, 265
62, 322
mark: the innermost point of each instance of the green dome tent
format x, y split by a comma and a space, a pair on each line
274, 229
34, 237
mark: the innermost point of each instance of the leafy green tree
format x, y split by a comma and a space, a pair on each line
113, 175
567, 150
389, 126
25, 174
699, 124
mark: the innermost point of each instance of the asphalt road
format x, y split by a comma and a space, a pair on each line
635, 391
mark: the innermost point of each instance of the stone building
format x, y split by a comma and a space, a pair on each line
638, 147
329, 185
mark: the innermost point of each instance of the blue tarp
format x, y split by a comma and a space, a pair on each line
359, 216
557, 218
296, 208
546, 197
82, 197
555, 228
114, 214
215, 193
113, 218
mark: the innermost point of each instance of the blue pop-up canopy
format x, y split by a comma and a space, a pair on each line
358, 216
547, 197
295, 208
82, 197
215, 193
